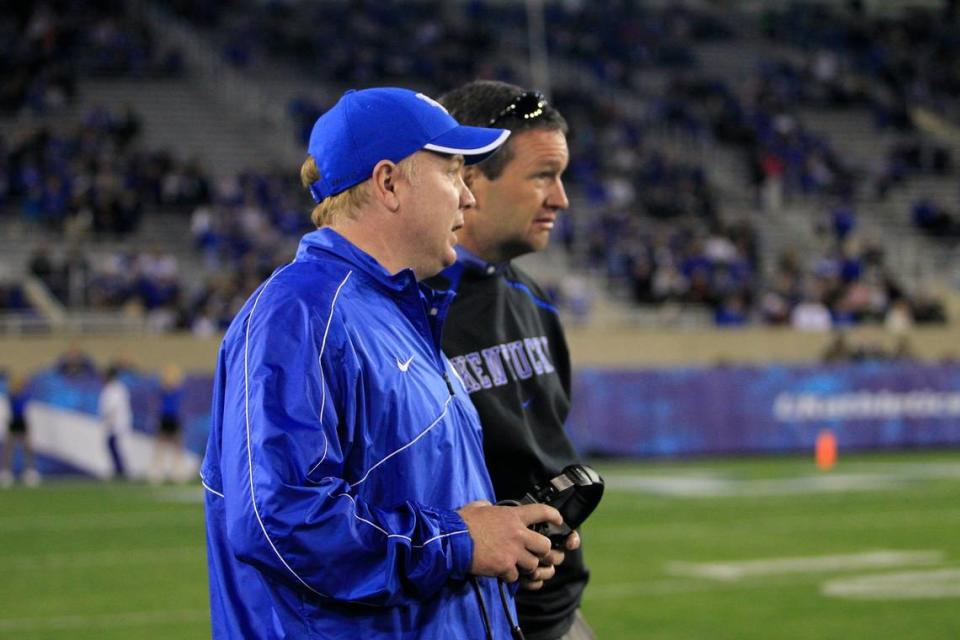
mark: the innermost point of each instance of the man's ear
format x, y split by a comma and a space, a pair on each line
383, 182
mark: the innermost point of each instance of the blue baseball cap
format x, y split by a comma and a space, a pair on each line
388, 123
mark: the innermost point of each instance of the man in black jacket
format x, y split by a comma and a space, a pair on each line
503, 335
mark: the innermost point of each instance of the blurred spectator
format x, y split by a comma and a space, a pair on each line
899, 318
935, 220
899, 56
575, 295
811, 314
47, 45
926, 308
660, 230
168, 448
117, 417
18, 434
91, 176
74, 363
843, 220
731, 312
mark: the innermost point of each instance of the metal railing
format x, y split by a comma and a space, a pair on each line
75, 322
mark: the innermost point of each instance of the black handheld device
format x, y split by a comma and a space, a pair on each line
575, 493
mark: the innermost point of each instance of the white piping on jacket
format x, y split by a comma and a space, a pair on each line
446, 405
246, 410
253, 500
399, 535
323, 384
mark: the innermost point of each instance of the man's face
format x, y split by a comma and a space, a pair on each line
435, 197
516, 212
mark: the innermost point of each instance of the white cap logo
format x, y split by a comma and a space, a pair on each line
432, 102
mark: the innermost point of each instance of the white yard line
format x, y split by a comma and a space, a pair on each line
718, 487
771, 573
105, 620
912, 585
732, 571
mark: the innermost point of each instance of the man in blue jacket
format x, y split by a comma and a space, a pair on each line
346, 490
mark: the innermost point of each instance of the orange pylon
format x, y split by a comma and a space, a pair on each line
826, 450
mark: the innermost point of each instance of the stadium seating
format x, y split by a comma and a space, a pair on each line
724, 153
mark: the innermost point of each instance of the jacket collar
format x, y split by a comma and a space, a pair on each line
327, 241
475, 263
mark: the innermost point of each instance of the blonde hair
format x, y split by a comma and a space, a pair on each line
328, 210
346, 203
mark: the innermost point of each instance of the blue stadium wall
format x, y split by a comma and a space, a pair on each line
655, 412
768, 409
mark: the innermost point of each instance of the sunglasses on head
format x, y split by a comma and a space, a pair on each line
527, 106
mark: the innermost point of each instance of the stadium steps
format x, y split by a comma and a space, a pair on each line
157, 230
178, 116
589, 297
912, 254
256, 106
920, 253
851, 131
851, 134
275, 83
942, 190
13, 128
794, 226
728, 173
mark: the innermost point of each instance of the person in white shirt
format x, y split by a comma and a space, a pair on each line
811, 314
117, 417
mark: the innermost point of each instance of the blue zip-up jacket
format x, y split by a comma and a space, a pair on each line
341, 444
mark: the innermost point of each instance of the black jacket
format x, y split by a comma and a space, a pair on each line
504, 339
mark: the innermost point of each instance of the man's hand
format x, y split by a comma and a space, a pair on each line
503, 546
548, 563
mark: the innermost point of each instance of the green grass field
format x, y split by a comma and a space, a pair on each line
738, 550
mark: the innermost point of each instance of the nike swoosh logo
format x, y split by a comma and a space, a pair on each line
403, 366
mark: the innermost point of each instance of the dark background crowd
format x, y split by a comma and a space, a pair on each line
649, 218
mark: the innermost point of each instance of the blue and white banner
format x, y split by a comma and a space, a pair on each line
68, 436
723, 410
644, 413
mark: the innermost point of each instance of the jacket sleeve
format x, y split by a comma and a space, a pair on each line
289, 510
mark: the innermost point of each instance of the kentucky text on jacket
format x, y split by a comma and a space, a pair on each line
488, 367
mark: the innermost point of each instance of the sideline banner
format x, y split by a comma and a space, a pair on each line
724, 410
642, 413
68, 436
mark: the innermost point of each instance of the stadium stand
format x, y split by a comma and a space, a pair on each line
697, 183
